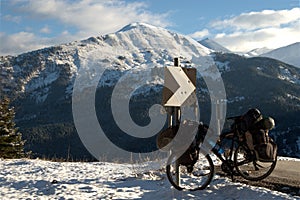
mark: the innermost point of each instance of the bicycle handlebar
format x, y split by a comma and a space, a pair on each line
234, 117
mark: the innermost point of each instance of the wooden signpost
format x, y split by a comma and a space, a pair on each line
179, 90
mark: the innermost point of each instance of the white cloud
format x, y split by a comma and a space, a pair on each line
45, 29
10, 18
270, 37
93, 17
86, 17
271, 29
27, 41
80, 19
263, 19
17, 43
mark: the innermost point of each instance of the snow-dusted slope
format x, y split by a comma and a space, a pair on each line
137, 53
137, 47
288, 54
209, 43
38, 179
141, 49
256, 52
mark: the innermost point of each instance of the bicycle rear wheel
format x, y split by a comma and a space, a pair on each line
183, 178
249, 167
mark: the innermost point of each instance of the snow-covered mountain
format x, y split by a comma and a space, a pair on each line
42, 83
135, 47
288, 54
211, 44
256, 52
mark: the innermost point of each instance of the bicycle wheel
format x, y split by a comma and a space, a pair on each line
196, 179
249, 167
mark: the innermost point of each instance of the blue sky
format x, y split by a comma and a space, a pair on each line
240, 25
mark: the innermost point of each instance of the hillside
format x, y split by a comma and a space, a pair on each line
256, 52
288, 54
269, 85
209, 43
42, 84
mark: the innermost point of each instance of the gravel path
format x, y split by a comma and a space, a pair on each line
285, 178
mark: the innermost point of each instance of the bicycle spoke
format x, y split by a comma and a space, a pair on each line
251, 170
258, 165
200, 176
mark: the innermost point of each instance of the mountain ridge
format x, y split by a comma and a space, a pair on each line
211, 44
288, 54
42, 82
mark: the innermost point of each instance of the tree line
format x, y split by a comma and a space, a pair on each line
11, 143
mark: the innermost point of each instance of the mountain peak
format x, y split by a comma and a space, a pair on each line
137, 25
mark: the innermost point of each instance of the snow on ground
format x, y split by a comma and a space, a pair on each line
289, 159
39, 179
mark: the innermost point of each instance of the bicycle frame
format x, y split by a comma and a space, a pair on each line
226, 161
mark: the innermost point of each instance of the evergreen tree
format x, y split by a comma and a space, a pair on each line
11, 143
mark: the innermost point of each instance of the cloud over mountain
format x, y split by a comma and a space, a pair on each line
257, 20
77, 20
28, 24
268, 28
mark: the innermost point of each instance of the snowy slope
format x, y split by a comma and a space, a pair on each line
38, 179
256, 52
288, 54
42, 82
209, 43
138, 47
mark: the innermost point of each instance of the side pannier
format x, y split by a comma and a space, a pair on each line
265, 148
165, 137
266, 151
190, 156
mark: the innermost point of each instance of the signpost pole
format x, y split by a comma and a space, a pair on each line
176, 116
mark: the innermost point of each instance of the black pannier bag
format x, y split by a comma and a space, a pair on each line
266, 152
165, 137
190, 156
265, 148
249, 119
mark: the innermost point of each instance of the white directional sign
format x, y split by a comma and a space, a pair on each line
178, 85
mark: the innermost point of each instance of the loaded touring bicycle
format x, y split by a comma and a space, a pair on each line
194, 170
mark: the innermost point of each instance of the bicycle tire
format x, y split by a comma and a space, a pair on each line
198, 179
251, 169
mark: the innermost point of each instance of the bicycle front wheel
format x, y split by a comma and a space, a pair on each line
186, 178
249, 167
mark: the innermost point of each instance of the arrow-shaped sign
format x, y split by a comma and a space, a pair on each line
185, 89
